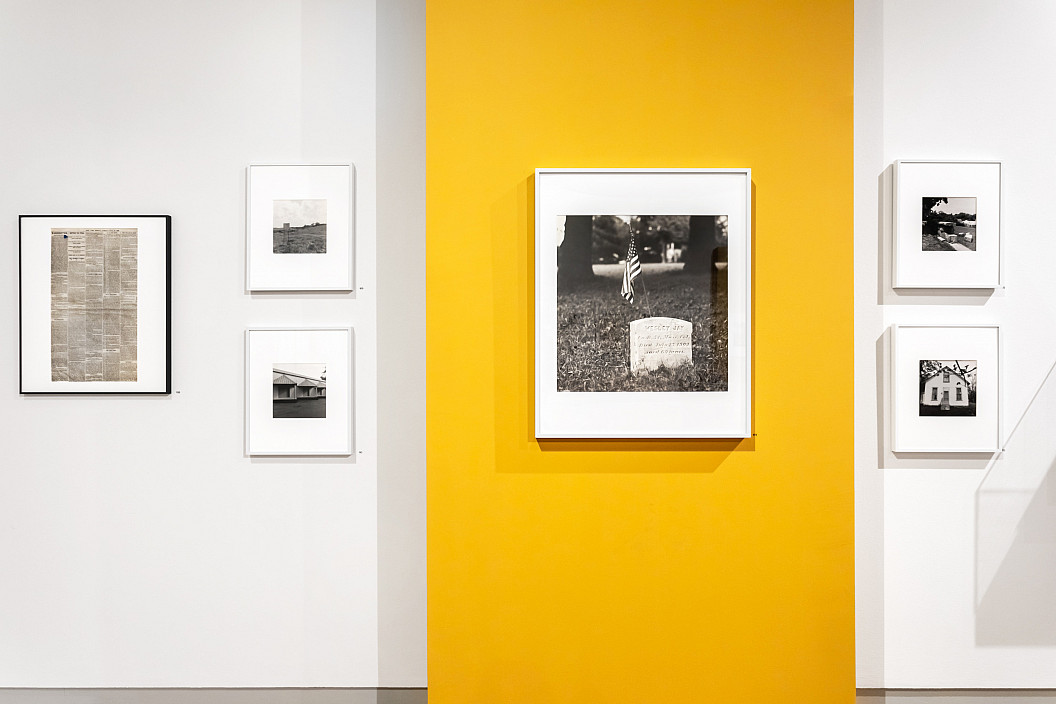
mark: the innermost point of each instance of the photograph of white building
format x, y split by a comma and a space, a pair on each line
947, 387
298, 390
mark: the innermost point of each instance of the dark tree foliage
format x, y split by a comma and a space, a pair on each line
651, 234
654, 232
645, 236
609, 239
931, 217
928, 368
672, 228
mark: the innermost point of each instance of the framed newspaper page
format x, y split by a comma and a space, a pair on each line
299, 227
947, 224
643, 303
299, 391
94, 311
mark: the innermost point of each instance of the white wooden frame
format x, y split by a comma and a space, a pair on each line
913, 268
912, 432
333, 270
332, 435
699, 414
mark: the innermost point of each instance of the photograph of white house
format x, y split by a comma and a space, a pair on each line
947, 387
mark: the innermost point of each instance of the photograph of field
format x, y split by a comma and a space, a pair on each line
299, 226
948, 224
615, 269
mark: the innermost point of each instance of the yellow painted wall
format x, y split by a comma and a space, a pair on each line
622, 571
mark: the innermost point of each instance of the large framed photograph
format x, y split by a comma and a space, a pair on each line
643, 280
300, 227
946, 388
94, 304
299, 391
947, 224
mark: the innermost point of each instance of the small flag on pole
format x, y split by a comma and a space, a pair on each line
632, 270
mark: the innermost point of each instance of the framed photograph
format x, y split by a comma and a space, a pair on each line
643, 300
947, 224
299, 391
94, 304
946, 393
300, 227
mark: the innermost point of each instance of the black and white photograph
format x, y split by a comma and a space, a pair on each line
298, 390
948, 224
299, 226
947, 387
642, 303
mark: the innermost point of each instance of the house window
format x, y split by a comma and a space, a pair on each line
934, 393
958, 393
945, 377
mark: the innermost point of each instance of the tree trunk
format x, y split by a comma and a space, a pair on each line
573, 256
702, 230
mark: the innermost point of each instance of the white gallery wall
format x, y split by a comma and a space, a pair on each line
139, 546
956, 555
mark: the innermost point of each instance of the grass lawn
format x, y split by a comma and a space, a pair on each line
310, 239
301, 408
593, 331
931, 243
968, 410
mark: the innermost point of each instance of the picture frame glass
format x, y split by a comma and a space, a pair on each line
94, 304
947, 224
946, 389
300, 227
299, 391
640, 334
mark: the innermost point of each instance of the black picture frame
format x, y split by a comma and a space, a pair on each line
116, 359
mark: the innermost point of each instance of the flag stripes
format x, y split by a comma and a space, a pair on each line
632, 270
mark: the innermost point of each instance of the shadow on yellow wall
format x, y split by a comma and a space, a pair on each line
510, 425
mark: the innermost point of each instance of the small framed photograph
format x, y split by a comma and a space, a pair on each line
300, 227
299, 391
94, 304
946, 395
643, 281
947, 224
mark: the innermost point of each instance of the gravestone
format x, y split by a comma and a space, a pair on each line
657, 342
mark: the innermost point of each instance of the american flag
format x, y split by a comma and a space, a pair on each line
631, 271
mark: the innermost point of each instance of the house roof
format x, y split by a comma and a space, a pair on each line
946, 369
294, 378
